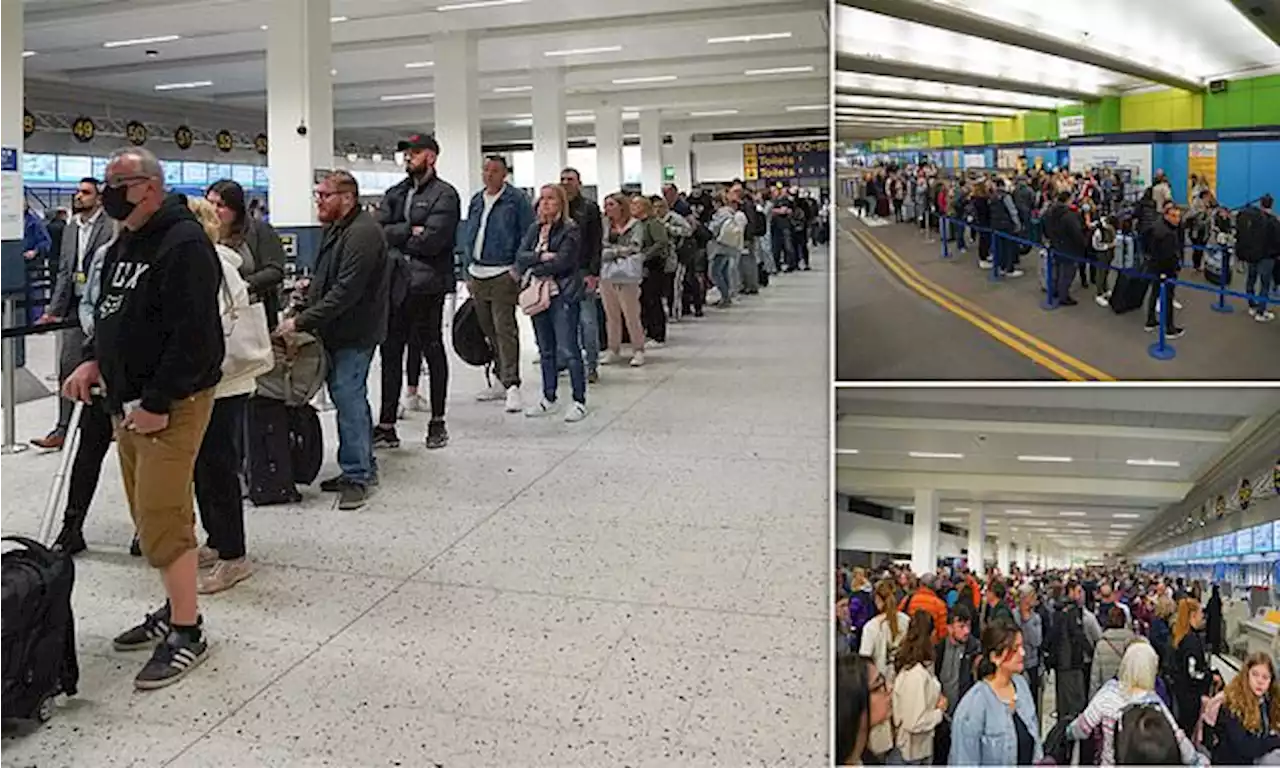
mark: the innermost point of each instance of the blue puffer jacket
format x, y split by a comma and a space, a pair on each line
508, 221
565, 241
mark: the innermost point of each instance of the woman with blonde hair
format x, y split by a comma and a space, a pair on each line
551, 252
881, 638
1192, 675
1249, 719
621, 272
654, 246
223, 563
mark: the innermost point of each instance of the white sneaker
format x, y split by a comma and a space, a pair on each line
1103, 301
1177, 304
491, 393
577, 412
415, 403
514, 405
1014, 273
1264, 317
658, 344
543, 407
637, 359
608, 357
984, 265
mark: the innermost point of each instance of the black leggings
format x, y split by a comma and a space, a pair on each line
415, 326
86, 468
652, 315
217, 477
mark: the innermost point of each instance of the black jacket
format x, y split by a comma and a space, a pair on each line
1066, 646
1065, 228
970, 656
423, 262
565, 241
586, 214
348, 299
1239, 746
1165, 248
157, 331
1191, 674
1001, 219
265, 276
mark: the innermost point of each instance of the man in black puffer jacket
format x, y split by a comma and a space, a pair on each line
157, 349
1065, 228
1005, 219
1164, 258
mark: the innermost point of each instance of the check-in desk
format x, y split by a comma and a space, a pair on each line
1262, 632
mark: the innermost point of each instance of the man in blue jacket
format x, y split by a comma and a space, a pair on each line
497, 219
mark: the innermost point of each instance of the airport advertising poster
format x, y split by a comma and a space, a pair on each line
1262, 538
786, 160
1202, 161
1070, 125
1136, 157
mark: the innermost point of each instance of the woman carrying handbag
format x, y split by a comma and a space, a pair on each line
548, 265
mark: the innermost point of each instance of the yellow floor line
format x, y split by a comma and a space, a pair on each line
1044, 346
925, 290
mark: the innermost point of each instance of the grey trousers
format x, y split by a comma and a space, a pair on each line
748, 265
71, 341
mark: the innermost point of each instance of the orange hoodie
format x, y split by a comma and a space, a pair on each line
925, 599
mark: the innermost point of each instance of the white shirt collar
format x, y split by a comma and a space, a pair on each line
92, 219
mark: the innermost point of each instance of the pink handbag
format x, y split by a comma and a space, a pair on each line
535, 297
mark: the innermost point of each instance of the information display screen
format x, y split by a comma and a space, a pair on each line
73, 168
1262, 538
219, 171
242, 175
1217, 546
1244, 541
196, 174
100, 168
1228, 545
260, 178
172, 171
39, 168
1202, 548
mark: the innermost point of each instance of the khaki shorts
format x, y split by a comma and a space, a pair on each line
158, 472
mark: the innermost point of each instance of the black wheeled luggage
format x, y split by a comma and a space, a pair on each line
270, 452
306, 443
1128, 293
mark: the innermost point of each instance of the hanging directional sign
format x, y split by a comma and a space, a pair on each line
28, 123
136, 132
224, 141
1245, 495
83, 129
260, 143
183, 137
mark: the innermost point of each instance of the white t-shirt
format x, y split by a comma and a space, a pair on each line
480, 271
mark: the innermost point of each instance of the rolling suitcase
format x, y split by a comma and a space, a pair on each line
1128, 293
38, 636
270, 454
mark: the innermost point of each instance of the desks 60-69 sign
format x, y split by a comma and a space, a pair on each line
786, 160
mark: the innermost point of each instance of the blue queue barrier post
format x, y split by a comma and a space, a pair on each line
1050, 281
943, 225
1161, 350
1221, 305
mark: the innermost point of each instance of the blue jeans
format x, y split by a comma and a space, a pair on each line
348, 382
556, 329
1266, 270
588, 331
723, 265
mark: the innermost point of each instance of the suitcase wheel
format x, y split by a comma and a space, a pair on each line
44, 710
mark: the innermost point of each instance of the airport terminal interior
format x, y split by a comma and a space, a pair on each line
536, 592
1022, 486
937, 106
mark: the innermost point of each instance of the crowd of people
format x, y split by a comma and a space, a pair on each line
1094, 222
951, 667
151, 287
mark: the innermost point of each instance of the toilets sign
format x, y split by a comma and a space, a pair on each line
786, 161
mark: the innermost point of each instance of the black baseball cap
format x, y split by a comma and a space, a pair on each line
419, 141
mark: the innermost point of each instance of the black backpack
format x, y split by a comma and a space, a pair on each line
469, 340
1251, 235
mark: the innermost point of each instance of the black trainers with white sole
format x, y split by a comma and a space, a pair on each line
172, 659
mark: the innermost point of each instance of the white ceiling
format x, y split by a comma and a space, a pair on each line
1105, 499
1191, 40
221, 41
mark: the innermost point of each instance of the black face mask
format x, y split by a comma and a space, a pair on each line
115, 201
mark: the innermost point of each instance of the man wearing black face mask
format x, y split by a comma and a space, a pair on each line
419, 218
157, 349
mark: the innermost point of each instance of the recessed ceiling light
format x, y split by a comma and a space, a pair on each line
714, 113
1020, 512
1121, 525
580, 118
963, 509
1035, 522
777, 71
513, 88
333, 72
521, 122
1077, 525
181, 86
808, 108
337, 19
584, 51
846, 451
933, 455
649, 79
141, 41
419, 64
907, 508
28, 54
477, 4
631, 115
407, 96
749, 38
1152, 463
1047, 459
1126, 516
1073, 514
263, 27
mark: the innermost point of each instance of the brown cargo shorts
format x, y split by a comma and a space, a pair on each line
158, 471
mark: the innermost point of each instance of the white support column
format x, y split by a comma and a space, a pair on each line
550, 137
650, 152
977, 538
299, 93
924, 533
457, 112
608, 149
682, 159
1001, 536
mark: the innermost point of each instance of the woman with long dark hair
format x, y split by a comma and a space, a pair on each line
257, 243
918, 703
995, 723
881, 638
862, 703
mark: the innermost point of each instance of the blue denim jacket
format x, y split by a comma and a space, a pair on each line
508, 221
982, 731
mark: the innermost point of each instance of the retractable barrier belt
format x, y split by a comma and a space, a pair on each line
34, 330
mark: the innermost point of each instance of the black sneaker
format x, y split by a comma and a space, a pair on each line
352, 496
1150, 327
437, 435
385, 437
333, 484
71, 538
152, 630
1176, 333
135, 546
171, 661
